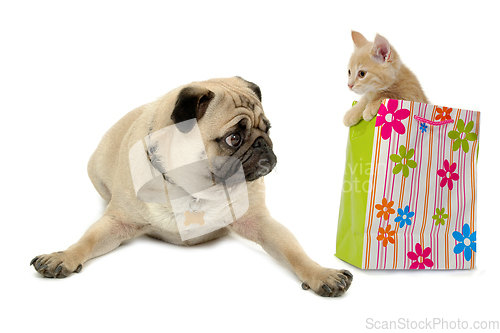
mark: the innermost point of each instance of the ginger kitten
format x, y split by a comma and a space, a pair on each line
376, 72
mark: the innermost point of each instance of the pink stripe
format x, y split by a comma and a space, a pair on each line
433, 123
390, 185
458, 216
436, 261
415, 174
460, 204
405, 234
438, 189
396, 151
436, 252
385, 255
419, 171
463, 169
437, 192
391, 181
407, 261
460, 190
385, 188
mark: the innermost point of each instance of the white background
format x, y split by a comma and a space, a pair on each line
69, 71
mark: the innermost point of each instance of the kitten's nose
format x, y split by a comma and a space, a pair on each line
350, 86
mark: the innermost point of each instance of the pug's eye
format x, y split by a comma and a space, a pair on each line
361, 74
233, 140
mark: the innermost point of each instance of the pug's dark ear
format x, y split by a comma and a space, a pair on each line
191, 104
255, 88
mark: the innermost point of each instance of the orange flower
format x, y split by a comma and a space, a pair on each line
386, 235
443, 114
385, 209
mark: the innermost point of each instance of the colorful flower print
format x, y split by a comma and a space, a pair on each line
440, 216
390, 119
385, 209
448, 174
466, 242
404, 217
386, 235
423, 127
462, 135
419, 257
443, 113
403, 161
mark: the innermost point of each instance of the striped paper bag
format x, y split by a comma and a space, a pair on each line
409, 192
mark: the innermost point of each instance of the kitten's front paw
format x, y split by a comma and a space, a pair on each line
369, 113
351, 118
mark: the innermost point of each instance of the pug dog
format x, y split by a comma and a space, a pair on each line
228, 113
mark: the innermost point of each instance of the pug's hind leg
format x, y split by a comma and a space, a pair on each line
102, 237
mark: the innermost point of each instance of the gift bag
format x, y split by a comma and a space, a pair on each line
409, 192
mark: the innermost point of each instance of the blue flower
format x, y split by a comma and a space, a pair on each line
404, 216
423, 127
466, 242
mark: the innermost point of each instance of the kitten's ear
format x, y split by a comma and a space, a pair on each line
358, 39
381, 50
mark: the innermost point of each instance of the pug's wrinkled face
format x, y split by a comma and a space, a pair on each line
245, 144
232, 124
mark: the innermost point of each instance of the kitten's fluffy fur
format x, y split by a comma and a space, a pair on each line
376, 72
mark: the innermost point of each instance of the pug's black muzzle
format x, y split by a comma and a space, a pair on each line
259, 160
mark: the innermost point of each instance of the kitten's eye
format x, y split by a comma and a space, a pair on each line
349, 71
234, 140
361, 73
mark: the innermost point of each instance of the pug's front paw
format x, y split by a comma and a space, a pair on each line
56, 265
328, 282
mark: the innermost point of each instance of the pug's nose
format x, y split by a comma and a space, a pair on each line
260, 143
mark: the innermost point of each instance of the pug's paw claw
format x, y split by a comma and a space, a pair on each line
56, 265
328, 282
345, 272
326, 288
33, 261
